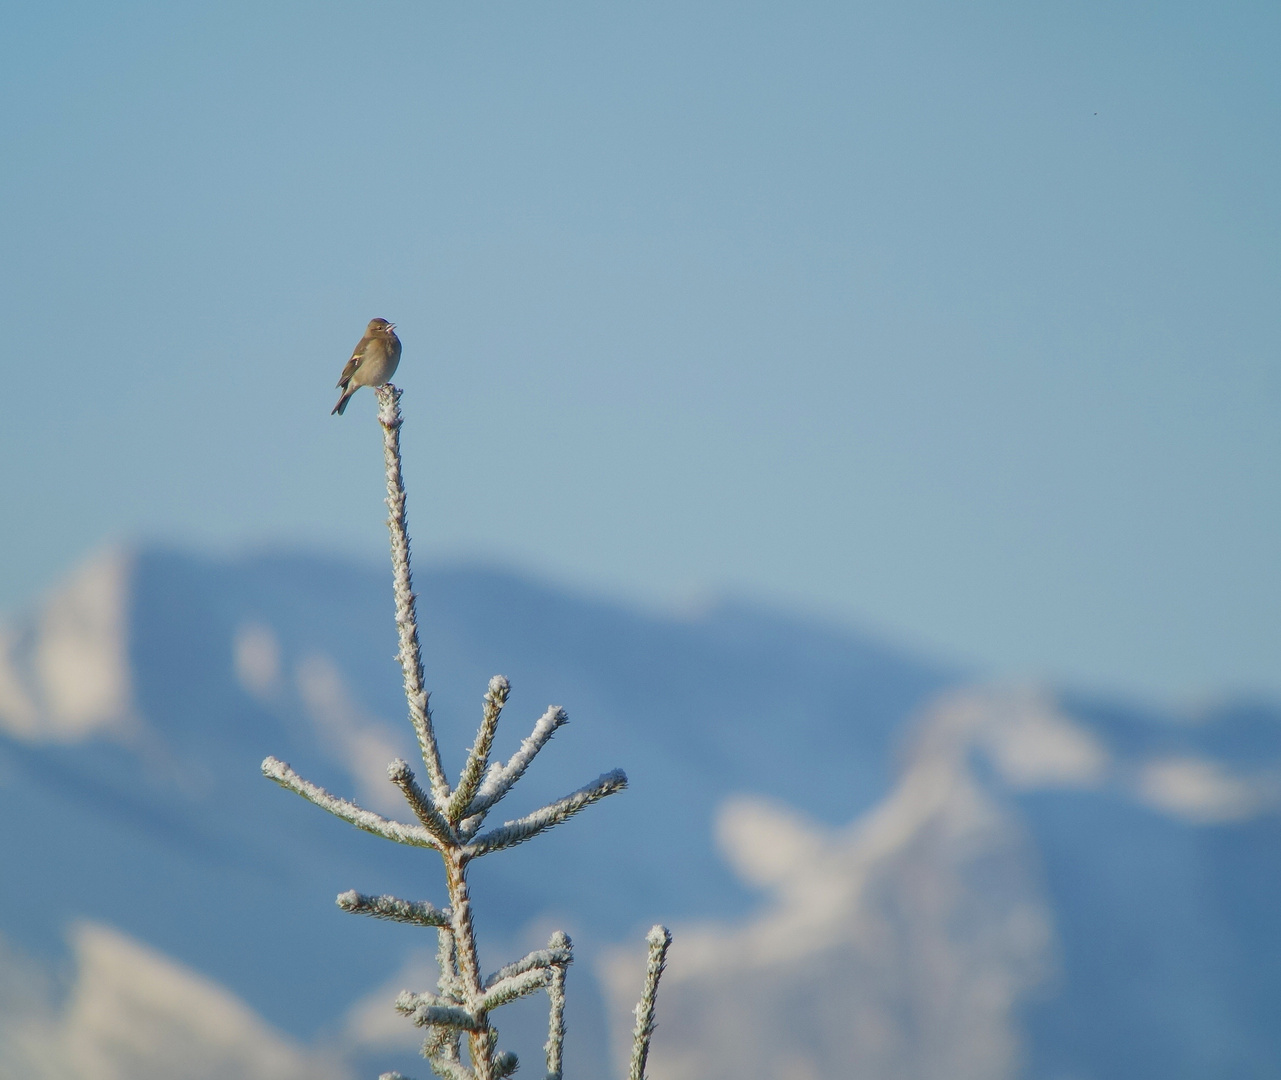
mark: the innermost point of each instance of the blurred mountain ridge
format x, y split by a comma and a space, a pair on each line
910, 875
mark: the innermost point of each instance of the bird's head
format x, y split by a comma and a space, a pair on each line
380, 326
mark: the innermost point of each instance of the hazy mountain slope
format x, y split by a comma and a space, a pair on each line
872, 869
1035, 898
139, 804
1163, 884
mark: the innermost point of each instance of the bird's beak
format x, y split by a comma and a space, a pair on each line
391, 326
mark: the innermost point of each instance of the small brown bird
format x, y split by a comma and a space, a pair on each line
373, 361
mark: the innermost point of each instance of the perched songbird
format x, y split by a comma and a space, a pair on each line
373, 361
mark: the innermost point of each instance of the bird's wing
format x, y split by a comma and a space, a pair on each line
357, 355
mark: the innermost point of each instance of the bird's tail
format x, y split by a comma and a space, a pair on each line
341, 407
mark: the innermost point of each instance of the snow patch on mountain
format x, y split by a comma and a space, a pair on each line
256, 659
65, 674
1058, 883
899, 946
136, 1014
905, 945
361, 743
1205, 792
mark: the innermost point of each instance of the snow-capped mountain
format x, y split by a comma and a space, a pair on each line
872, 867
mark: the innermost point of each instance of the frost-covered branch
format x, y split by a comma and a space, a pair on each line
410, 653
478, 758
400, 774
500, 778
444, 1050
449, 1068
540, 958
554, 1047
414, 835
440, 1048
449, 820
418, 912
447, 960
658, 939
517, 986
526, 828
425, 1008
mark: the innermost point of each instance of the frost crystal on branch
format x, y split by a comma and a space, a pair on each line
448, 821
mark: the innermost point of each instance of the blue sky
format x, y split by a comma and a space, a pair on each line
958, 322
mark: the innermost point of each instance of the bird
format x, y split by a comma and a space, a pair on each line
373, 361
